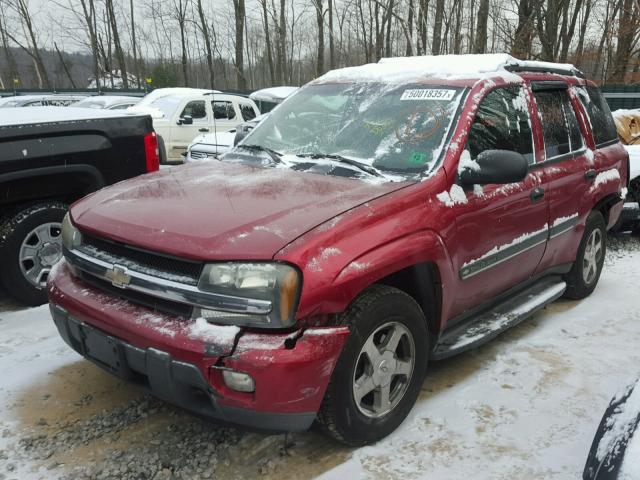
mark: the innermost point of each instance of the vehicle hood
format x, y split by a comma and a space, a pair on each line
220, 210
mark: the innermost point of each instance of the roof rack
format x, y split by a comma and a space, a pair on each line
523, 67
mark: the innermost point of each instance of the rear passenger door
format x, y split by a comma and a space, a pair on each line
565, 166
224, 115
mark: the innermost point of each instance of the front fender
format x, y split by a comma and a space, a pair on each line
383, 260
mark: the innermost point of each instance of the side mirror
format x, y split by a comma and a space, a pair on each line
495, 166
186, 120
241, 131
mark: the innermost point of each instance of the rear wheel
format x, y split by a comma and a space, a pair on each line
586, 270
380, 371
31, 244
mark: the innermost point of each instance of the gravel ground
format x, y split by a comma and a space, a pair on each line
79, 422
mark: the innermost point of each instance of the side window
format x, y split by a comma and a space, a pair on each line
223, 110
248, 113
196, 108
602, 124
502, 123
560, 126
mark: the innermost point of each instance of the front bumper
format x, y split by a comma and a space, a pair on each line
160, 354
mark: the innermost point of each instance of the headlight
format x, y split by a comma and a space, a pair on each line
274, 282
71, 236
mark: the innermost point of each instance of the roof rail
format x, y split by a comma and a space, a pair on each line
574, 72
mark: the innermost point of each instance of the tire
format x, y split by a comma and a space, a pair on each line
378, 314
162, 150
32, 232
580, 284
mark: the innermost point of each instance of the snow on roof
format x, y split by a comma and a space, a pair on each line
398, 69
164, 92
273, 94
37, 115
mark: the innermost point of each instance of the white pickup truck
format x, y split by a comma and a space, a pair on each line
181, 115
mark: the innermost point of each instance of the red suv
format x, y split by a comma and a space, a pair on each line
382, 217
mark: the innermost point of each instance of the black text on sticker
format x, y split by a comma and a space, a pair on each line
428, 94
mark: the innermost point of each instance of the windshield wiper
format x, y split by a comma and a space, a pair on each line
275, 156
340, 159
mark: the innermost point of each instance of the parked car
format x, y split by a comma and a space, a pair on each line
50, 157
384, 216
209, 146
268, 98
108, 102
52, 100
615, 451
178, 118
628, 126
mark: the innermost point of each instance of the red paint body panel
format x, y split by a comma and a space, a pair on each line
301, 373
218, 210
343, 235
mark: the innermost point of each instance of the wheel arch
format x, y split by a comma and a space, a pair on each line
60, 183
417, 264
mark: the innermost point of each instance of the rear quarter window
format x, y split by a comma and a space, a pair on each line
602, 124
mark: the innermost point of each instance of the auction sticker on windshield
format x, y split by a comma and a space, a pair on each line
428, 94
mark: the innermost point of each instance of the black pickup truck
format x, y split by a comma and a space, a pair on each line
49, 158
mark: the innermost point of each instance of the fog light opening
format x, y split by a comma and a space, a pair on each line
238, 381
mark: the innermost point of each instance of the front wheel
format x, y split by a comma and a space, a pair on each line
380, 371
30, 244
586, 270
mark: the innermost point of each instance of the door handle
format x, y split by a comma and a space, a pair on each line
590, 174
203, 130
536, 194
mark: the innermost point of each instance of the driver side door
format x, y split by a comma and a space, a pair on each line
502, 229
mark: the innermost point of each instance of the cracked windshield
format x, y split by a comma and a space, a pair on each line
376, 128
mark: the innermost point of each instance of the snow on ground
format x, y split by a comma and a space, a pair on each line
524, 406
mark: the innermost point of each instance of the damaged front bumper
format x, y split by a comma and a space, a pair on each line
291, 372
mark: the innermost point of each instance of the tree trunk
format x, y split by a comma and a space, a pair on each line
581, 35
332, 51
267, 38
207, 43
627, 29
240, 14
437, 28
409, 50
136, 64
116, 43
566, 40
481, 28
523, 38
64, 66
320, 23
26, 19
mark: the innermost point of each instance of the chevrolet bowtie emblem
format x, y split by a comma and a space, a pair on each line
118, 276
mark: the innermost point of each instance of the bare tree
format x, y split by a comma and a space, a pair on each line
481, 28
240, 15
111, 15
437, 28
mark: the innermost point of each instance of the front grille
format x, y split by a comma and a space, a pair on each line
154, 303
142, 261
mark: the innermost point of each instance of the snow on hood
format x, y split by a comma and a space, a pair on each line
404, 69
220, 210
634, 160
221, 138
38, 115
